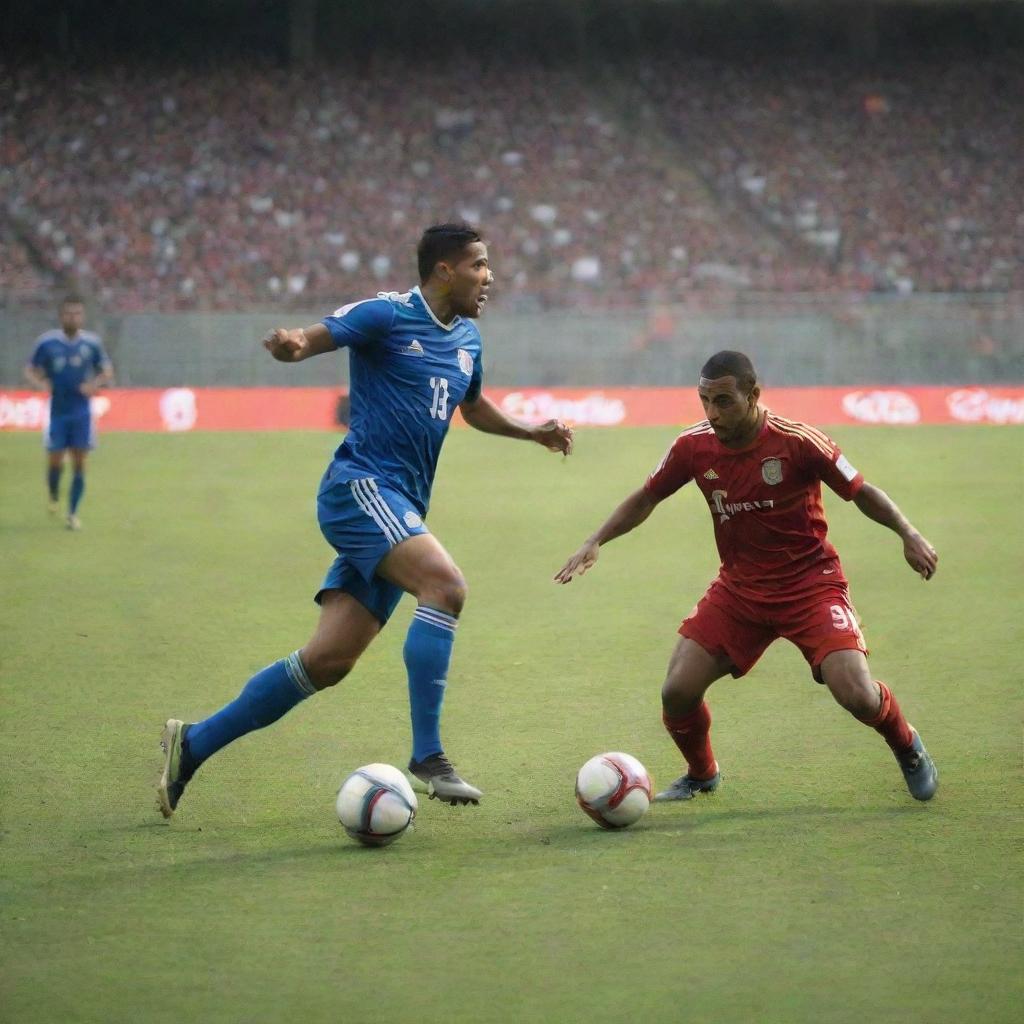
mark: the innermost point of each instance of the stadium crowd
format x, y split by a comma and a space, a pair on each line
905, 179
238, 188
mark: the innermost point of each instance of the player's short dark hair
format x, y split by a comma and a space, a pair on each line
441, 242
731, 364
72, 300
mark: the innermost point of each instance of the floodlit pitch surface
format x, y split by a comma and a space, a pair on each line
810, 888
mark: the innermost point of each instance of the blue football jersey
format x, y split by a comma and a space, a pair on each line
407, 373
68, 363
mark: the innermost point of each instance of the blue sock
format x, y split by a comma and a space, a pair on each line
427, 652
264, 699
77, 489
53, 480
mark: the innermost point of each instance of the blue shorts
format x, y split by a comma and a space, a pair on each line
70, 430
363, 520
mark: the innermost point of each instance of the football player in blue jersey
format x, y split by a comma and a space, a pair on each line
413, 358
69, 363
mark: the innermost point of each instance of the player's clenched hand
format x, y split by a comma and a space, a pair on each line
920, 555
579, 563
284, 345
555, 436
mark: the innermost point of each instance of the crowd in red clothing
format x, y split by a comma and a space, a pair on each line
908, 177
235, 188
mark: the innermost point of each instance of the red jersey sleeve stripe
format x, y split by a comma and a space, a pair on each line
826, 449
806, 428
798, 425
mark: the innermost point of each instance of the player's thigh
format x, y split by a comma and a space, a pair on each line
81, 438
78, 457
346, 628
57, 435
691, 670
729, 628
421, 566
820, 623
379, 534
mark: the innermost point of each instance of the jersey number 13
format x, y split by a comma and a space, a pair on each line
439, 407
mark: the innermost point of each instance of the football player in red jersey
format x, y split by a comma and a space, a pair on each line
761, 475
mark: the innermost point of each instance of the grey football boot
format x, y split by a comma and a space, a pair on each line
178, 766
686, 788
919, 771
435, 775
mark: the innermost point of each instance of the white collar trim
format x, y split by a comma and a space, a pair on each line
430, 312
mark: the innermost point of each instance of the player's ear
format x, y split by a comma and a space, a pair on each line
755, 394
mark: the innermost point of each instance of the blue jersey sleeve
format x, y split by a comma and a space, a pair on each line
361, 323
38, 358
99, 357
476, 381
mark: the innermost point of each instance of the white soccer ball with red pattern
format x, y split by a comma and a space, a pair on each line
376, 804
614, 789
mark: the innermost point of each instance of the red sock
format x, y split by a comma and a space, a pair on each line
691, 734
889, 723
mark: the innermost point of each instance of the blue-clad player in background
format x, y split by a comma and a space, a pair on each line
413, 358
70, 363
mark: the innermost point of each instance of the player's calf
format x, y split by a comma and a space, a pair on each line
887, 719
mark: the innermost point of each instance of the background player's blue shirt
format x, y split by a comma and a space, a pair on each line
407, 373
68, 363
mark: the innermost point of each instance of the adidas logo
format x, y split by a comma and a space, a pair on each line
414, 348
710, 475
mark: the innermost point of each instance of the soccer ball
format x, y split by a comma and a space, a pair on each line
376, 804
614, 789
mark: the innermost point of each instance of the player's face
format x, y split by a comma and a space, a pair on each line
72, 316
470, 279
733, 415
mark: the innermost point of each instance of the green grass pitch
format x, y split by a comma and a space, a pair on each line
811, 887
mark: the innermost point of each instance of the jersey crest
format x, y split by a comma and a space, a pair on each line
771, 471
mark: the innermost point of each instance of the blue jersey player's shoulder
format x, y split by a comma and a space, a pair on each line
42, 344
95, 346
362, 323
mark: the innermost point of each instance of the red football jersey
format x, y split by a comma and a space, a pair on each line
765, 501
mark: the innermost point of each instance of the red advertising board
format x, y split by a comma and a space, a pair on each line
184, 409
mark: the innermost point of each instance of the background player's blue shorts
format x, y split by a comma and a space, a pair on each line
363, 520
70, 430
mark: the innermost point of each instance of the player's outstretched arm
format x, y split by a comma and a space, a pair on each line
298, 343
483, 414
877, 505
629, 515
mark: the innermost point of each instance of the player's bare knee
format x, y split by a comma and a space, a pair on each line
446, 592
325, 668
858, 696
678, 697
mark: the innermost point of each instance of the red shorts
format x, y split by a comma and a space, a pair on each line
820, 621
